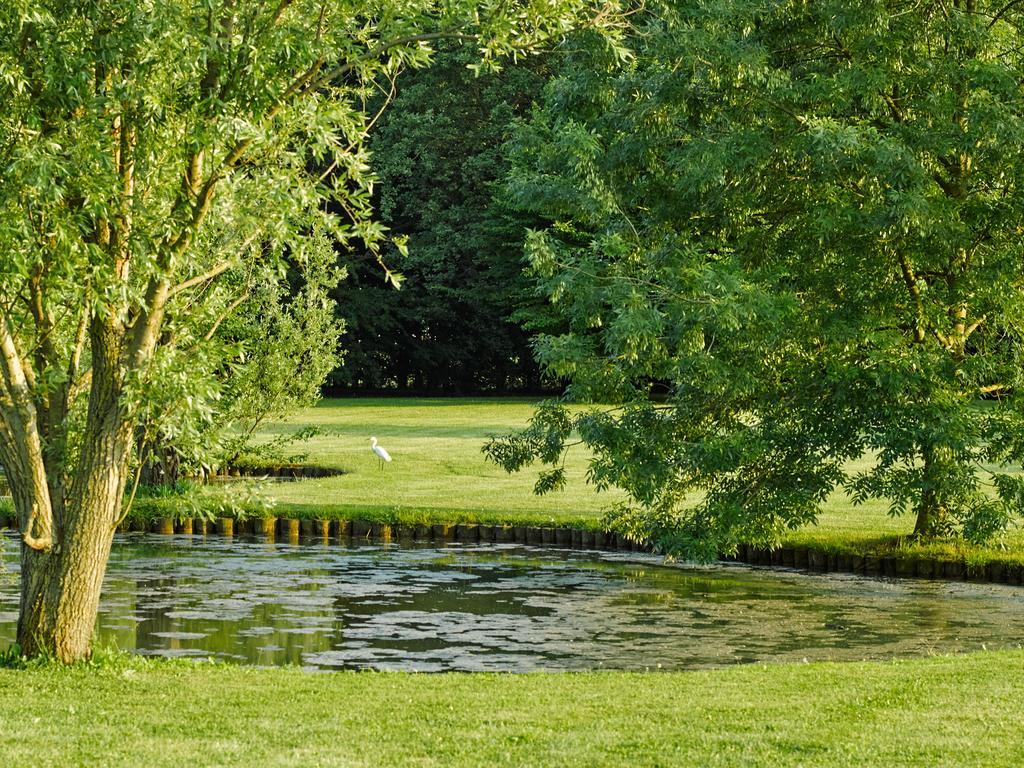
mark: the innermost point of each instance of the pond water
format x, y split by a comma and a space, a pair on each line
511, 608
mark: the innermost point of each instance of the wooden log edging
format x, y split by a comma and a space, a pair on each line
820, 561
805, 559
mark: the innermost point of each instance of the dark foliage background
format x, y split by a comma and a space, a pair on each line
454, 326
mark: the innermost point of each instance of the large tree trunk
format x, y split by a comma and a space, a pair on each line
61, 588
932, 511
61, 585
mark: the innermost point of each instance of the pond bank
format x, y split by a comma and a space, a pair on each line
804, 558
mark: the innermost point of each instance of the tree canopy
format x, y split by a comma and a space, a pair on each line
797, 225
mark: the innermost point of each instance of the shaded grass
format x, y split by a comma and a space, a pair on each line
960, 710
869, 529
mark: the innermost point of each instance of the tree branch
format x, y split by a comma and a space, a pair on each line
81, 333
386, 46
910, 279
135, 489
989, 389
209, 274
224, 315
22, 421
1003, 11
973, 327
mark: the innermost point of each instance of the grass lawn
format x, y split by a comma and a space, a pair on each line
961, 711
440, 475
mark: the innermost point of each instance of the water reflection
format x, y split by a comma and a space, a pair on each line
510, 608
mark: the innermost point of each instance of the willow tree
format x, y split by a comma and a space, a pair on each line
801, 222
265, 337
148, 148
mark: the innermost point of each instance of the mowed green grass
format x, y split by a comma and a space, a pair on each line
950, 711
439, 474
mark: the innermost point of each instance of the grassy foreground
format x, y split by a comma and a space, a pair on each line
940, 711
440, 475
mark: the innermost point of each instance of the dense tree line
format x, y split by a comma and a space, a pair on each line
455, 326
778, 241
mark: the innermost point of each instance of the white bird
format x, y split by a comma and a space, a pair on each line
379, 450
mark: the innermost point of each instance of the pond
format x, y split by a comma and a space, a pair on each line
510, 608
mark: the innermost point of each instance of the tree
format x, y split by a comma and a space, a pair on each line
437, 152
800, 222
147, 150
273, 338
